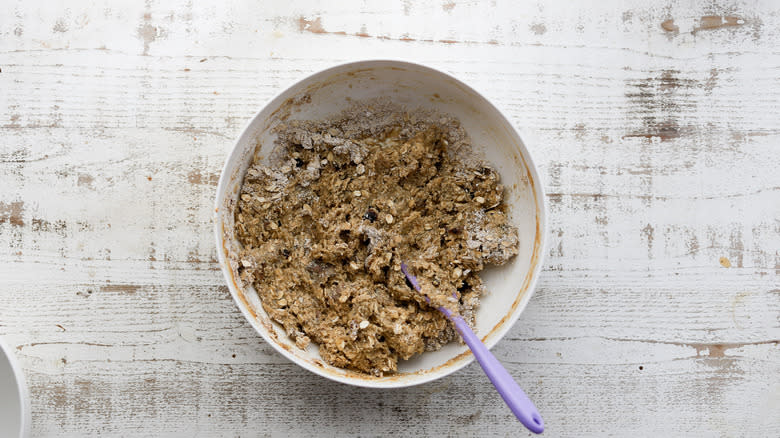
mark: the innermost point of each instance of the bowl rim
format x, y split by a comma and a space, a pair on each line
454, 364
21, 388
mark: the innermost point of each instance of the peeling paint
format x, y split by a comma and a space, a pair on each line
648, 232
669, 26
316, 27
703, 23
196, 177
538, 28
85, 180
313, 26
12, 213
60, 26
148, 33
121, 288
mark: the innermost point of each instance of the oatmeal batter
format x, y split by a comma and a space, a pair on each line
324, 231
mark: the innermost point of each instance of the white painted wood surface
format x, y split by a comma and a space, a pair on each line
656, 127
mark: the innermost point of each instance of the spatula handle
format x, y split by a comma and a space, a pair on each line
514, 396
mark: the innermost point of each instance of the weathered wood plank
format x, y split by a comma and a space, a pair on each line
270, 399
655, 127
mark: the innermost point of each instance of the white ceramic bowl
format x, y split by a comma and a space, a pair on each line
328, 92
14, 401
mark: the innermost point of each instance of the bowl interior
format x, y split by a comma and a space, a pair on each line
327, 93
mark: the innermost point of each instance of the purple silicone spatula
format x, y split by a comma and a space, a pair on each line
510, 391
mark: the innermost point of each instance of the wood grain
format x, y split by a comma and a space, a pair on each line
655, 126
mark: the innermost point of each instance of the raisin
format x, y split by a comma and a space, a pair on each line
370, 215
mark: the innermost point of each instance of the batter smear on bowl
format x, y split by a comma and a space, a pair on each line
325, 227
